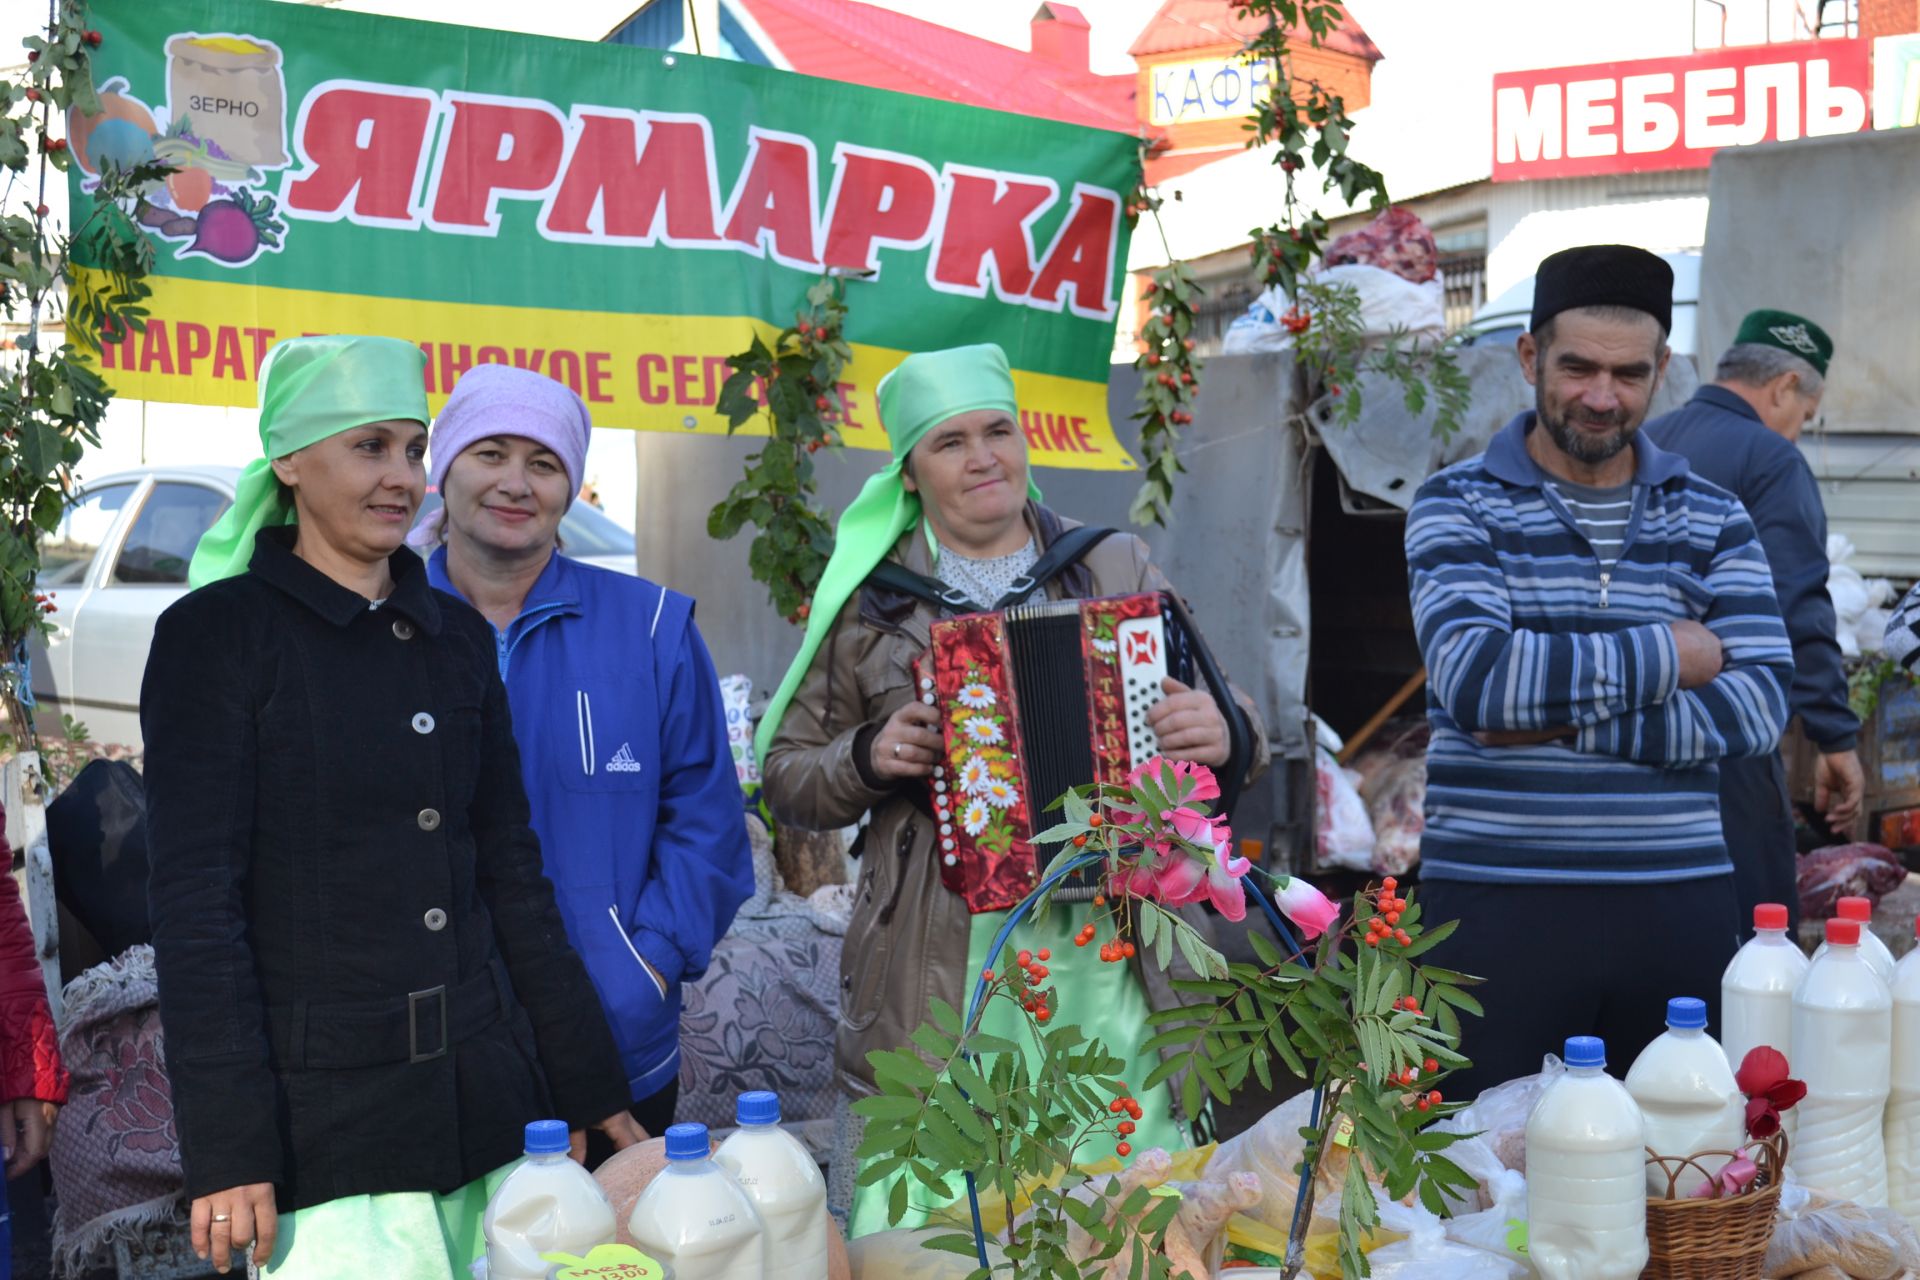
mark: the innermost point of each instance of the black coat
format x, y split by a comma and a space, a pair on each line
337, 824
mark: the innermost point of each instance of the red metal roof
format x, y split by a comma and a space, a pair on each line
1196, 24
864, 44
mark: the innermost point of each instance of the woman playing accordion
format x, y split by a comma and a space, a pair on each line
848, 732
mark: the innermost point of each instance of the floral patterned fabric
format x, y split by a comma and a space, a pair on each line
763, 1018
116, 1152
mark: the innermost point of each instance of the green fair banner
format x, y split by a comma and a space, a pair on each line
620, 219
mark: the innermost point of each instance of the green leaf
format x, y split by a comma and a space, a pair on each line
1460, 1000
885, 1106
905, 1067
1429, 940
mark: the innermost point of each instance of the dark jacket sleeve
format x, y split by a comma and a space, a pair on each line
197, 717
29, 1046
702, 868
570, 1029
1784, 502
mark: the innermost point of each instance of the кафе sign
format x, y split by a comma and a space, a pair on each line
1674, 113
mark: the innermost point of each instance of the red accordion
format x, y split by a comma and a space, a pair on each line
1035, 700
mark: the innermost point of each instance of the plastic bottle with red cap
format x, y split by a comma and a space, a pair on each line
1843, 1032
1903, 1106
1756, 992
1860, 910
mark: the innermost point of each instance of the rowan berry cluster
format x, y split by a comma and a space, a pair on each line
1030, 970
1124, 1105
1385, 926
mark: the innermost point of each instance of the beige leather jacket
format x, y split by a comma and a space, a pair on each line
907, 942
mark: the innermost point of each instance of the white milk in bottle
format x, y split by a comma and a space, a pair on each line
1756, 992
1687, 1095
1842, 1030
1903, 1107
784, 1184
547, 1204
1586, 1173
695, 1218
1872, 950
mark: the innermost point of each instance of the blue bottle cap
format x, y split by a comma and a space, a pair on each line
1686, 1013
688, 1142
762, 1106
1585, 1051
547, 1138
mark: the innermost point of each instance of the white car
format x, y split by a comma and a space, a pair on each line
119, 558
1501, 321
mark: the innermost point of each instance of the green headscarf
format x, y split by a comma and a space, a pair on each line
310, 389
921, 393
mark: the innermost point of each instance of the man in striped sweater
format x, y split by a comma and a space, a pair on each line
1599, 629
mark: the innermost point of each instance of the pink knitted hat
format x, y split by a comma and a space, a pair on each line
499, 400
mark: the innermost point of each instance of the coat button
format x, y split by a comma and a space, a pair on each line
429, 819
435, 920
423, 723
402, 629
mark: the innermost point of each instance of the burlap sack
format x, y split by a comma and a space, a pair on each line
232, 93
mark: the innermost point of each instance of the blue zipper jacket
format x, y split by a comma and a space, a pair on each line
623, 744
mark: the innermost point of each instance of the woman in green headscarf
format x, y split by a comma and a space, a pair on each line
365, 981
845, 735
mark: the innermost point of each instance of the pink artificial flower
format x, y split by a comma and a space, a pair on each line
1735, 1177
1223, 882
1194, 827
1132, 882
1179, 880
1306, 906
1206, 786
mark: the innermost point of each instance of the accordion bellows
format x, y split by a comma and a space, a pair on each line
1034, 701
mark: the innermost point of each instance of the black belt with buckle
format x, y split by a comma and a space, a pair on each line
418, 1027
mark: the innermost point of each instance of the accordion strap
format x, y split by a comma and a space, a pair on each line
1062, 554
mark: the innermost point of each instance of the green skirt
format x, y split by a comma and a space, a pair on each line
403, 1235
1103, 999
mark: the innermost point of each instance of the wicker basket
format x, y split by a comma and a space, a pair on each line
1714, 1239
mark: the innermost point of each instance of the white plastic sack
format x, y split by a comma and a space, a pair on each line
1342, 831
1427, 1253
1258, 328
1388, 302
1859, 603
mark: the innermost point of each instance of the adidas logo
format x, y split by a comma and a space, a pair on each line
1797, 337
623, 761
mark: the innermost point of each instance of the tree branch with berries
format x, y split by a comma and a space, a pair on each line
795, 382
71, 288
1307, 123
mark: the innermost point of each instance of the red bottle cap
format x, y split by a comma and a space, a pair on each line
1844, 933
1860, 909
1769, 915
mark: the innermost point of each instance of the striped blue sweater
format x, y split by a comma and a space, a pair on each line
1521, 628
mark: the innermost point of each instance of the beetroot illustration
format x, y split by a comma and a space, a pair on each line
234, 230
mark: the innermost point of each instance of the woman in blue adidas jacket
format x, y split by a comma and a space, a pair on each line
616, 708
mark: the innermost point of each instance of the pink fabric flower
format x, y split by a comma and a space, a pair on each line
1735, 1177
1206, 786
1306, 906
1194, 827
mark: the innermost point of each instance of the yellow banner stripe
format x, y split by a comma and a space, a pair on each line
205, 340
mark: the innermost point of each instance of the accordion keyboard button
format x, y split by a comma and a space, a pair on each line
940, 788
952, 859
925, 683
928, 698
946, 828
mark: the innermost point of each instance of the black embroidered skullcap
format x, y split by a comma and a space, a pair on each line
1604, 275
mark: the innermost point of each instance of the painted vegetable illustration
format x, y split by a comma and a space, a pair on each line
114, 105
190, 189
236, 228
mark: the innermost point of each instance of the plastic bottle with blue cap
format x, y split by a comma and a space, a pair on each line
548, 1204
1685, 1087
696, 1219
785, 1185
1586, 1173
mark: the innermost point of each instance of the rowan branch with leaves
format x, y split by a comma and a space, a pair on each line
70, 288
